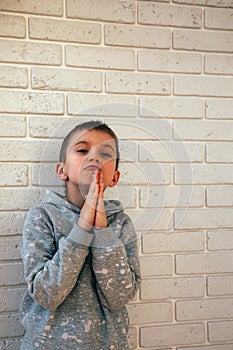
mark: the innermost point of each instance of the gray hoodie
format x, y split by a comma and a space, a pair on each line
78, 282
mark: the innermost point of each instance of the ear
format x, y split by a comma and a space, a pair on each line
60, 172
115, 179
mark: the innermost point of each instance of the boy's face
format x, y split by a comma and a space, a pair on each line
89, 151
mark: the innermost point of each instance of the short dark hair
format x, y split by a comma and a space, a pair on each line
90, 125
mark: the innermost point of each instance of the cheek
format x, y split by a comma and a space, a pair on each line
109, 166
108, 171
73, 163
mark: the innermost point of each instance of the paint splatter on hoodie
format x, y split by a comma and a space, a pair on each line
78, 282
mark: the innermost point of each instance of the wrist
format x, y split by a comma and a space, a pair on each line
98, 227
84, 226
103, 238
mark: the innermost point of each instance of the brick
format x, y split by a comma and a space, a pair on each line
13, 175
143, 174
11, 223
114, 11
163, 61
204, 263
100, 57
219, 108
203, 218
218, 18
29, 150
169, 15
218, 64
45, 127
128, 151
66, 79
127, 195
10, 326
203, 130
220, 331
213, 41
171, 197
161, 265
13, 77
217, 3
12, 26
137, 83
137, 36
173, 242
170, 151
19, 199
30, 53
11, 274
219, 152
204, 174
141, 129
132, 338
68, 31
170, 107
10, 299
203, 86
150, 313
44, 175
220, 240
210, 309
220, 196
9, 248
146, 220
183, 174
170, 335
102, 105
220, 285
172, 288
52, 128
12, 126
34, 7
31, 102
208, 347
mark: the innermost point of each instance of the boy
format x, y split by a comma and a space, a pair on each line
80, 252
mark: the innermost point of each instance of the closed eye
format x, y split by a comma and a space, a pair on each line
84, 151
106, 155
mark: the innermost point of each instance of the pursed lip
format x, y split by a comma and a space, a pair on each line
91, 167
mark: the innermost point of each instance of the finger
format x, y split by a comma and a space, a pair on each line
93, 187
100, 204
101, 178
92, 195
97, 176
93, 182
101, 190
97, 179
100, 218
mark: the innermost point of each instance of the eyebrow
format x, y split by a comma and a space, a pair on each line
109, 146
79, 142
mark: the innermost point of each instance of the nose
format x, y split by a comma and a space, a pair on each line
94, 157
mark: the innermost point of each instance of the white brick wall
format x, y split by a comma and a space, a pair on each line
160, 73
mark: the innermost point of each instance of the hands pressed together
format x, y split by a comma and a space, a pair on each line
93, 211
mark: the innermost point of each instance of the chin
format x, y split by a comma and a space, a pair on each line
84, 187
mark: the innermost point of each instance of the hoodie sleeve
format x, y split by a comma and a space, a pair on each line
116, 265
51, 271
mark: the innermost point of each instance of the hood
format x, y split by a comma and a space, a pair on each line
112, 207
58, 200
